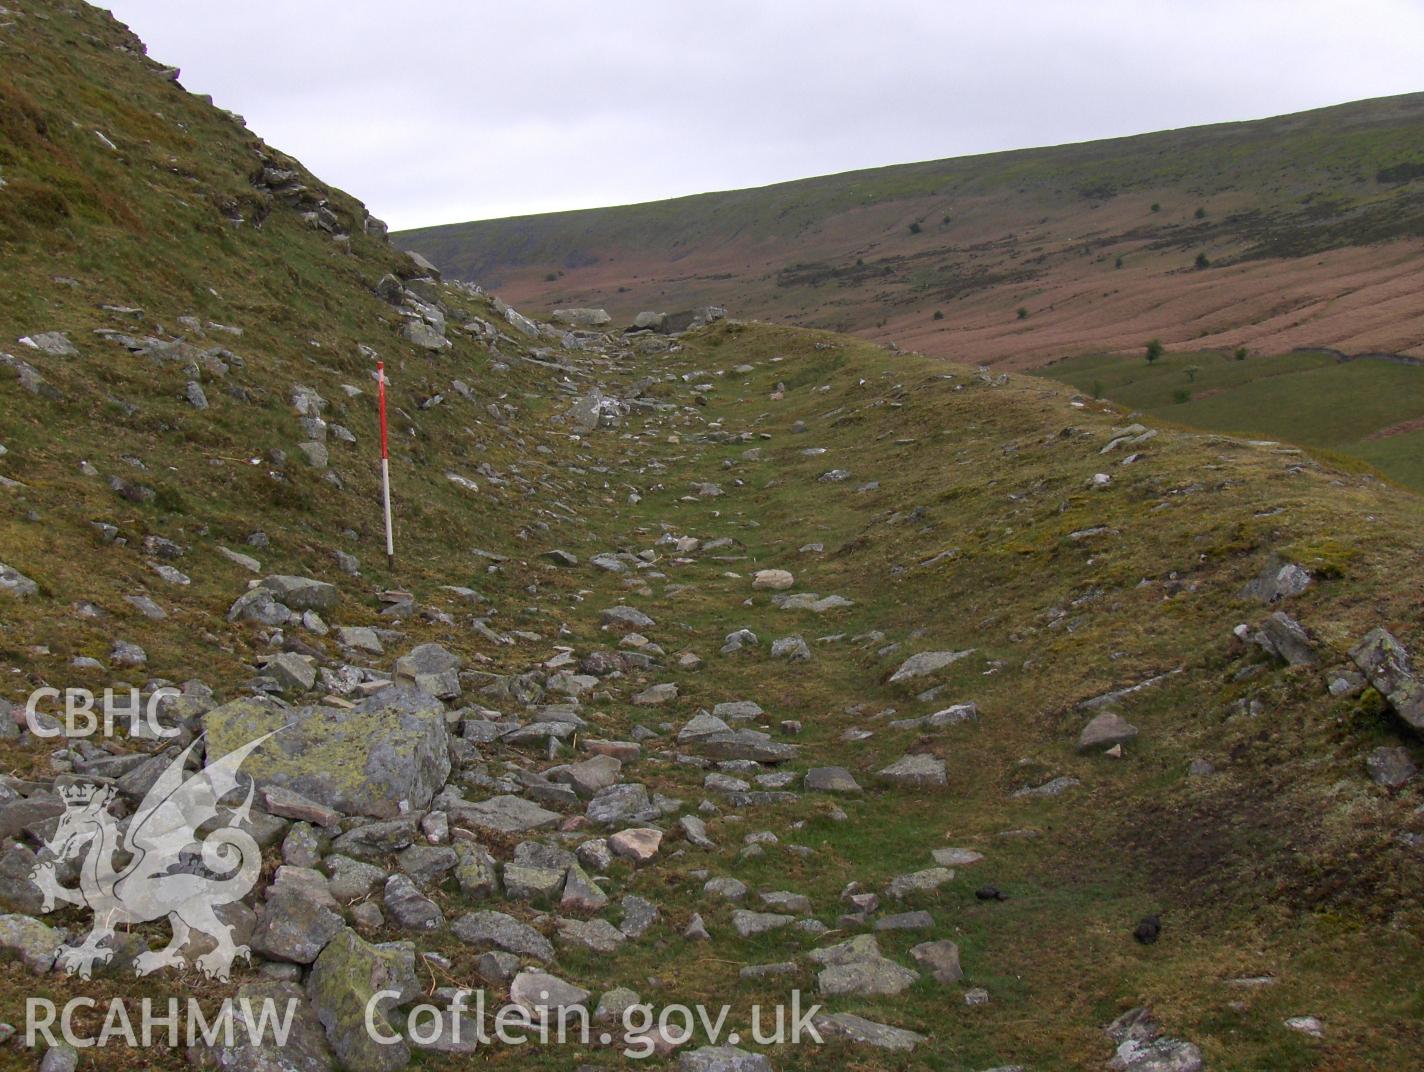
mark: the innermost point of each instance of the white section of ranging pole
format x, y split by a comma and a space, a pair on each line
386, 494
385, 467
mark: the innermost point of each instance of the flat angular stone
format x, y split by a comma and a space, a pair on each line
639, 844
915, 772
1285, 638
427, 864
722, 1059
656, 695
16, 584
905, 921
302, 593
731, 889
626, 619
523, 883
861, 947
289, 804
1052, 788
737, 711
351, 879
495, 930
294, 928
952, 857
748, 924
847, 1027
588, 776
879, 977
506, 814
408, 908
545, 995
597, 935
619, 803
743, 744
695, 831
831, 780
432, 669
1106, 729
926, 881
926, 662
786, 901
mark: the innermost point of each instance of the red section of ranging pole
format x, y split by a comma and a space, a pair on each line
385, 465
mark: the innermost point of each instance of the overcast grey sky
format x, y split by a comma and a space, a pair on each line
435, 111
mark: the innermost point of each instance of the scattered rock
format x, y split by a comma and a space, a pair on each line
1106, 730
1390, 767
16, 584
831, 780
774, 580
1283, 637
848, 1027
639, 845
346, 979
1387, 665
926, 662
920, 771
495, 930
722, 1059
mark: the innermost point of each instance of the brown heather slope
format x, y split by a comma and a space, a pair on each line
1313, 226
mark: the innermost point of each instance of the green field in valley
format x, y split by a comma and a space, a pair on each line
1354, 408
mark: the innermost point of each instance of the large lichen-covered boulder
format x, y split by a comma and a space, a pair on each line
252, 1047
344, 979
1385, 661
302, 593
386, 756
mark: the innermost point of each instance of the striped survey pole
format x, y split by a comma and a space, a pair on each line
385, 466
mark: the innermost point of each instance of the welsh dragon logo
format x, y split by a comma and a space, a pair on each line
162, 877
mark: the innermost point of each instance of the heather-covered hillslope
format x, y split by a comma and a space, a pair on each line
1312, 227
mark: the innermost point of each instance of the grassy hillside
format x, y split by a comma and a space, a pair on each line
950, 510
1097, 243
1368, 409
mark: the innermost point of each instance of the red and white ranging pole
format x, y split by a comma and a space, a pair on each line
385, 466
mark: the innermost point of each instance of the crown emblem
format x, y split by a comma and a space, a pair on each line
80, 795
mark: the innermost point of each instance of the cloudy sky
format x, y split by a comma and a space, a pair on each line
434, 111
